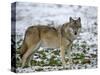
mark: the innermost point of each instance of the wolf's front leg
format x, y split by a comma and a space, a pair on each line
69, 57
62, 54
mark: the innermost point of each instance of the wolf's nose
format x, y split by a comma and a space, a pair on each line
75, 33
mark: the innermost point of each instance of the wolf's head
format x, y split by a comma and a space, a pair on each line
73, 28
75, 25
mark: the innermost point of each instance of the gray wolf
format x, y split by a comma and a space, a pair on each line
50, 37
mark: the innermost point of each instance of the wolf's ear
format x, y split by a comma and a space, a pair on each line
79, 19
71, 20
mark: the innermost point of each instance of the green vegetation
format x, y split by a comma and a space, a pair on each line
52, 57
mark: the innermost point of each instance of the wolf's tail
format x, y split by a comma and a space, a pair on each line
23, 49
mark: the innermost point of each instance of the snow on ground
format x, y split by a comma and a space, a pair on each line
30, 14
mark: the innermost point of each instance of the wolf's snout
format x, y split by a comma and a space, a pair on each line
75, 33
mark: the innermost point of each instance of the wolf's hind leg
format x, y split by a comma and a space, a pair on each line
26, 55
29, 53
29, 60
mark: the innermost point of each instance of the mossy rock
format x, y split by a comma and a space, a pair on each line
39, 69
33, 62
86, 61
94, 55
56, 52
